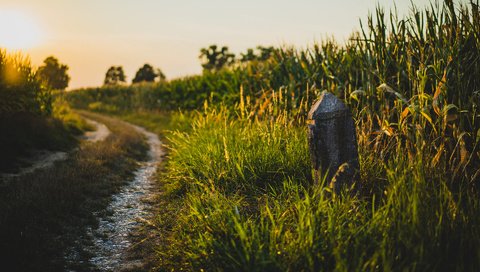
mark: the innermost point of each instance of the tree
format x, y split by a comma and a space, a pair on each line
54, 74
214, 59
148, 74
161, 75
249, 56
114, 76
264, 53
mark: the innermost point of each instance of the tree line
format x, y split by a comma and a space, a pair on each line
115, 75
213, 58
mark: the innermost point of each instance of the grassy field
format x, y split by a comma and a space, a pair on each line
44, 212
238, 193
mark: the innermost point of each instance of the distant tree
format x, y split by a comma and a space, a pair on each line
249, 56
54, 74
161, 75
265, 52
214, 59
114, 76
148, 74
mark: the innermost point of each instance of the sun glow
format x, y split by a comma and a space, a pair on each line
18, 31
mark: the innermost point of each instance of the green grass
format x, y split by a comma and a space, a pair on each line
25, 132
237, 185
396, 74
422, 58
32, 117
20, 90
238, 196
162, 123
44, 212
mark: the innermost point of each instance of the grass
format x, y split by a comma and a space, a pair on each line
388, 51
396, 74
44, 212
162, 123
237, 186
20, 89
253, 207
24, 133
32, 117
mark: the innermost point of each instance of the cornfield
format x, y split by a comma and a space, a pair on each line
238, 181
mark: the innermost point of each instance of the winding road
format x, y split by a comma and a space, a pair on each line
42, 159
109, 242
106, 244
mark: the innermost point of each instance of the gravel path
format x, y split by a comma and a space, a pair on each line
99, 134
108, 243
41, 159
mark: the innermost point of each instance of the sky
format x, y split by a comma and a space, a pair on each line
92, 35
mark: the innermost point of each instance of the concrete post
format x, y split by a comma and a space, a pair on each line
332, 141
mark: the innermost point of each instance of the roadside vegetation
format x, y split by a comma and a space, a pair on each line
237, 185
33, 116
43, 213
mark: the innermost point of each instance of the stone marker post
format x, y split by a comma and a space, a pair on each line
333, 143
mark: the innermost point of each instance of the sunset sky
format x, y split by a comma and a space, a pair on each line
92, 35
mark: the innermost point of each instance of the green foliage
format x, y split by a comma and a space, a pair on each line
20, 90
185, 93
268, 157
72, 122
30, 114
44, 213
253, 206
114, 76
24, 132
162, 123
148, 74
54, 74
240, 182
264, 54
397, 76
214, 59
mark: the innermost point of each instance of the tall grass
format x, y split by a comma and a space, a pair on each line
430, 49
244, 201
31, 115
397, 75
239, 182
20, 90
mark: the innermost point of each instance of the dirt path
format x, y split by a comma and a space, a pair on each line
41, 159
108, 243
99, 134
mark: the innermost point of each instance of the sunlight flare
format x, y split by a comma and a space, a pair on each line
19, 31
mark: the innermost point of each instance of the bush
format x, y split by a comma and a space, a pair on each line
20, 90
